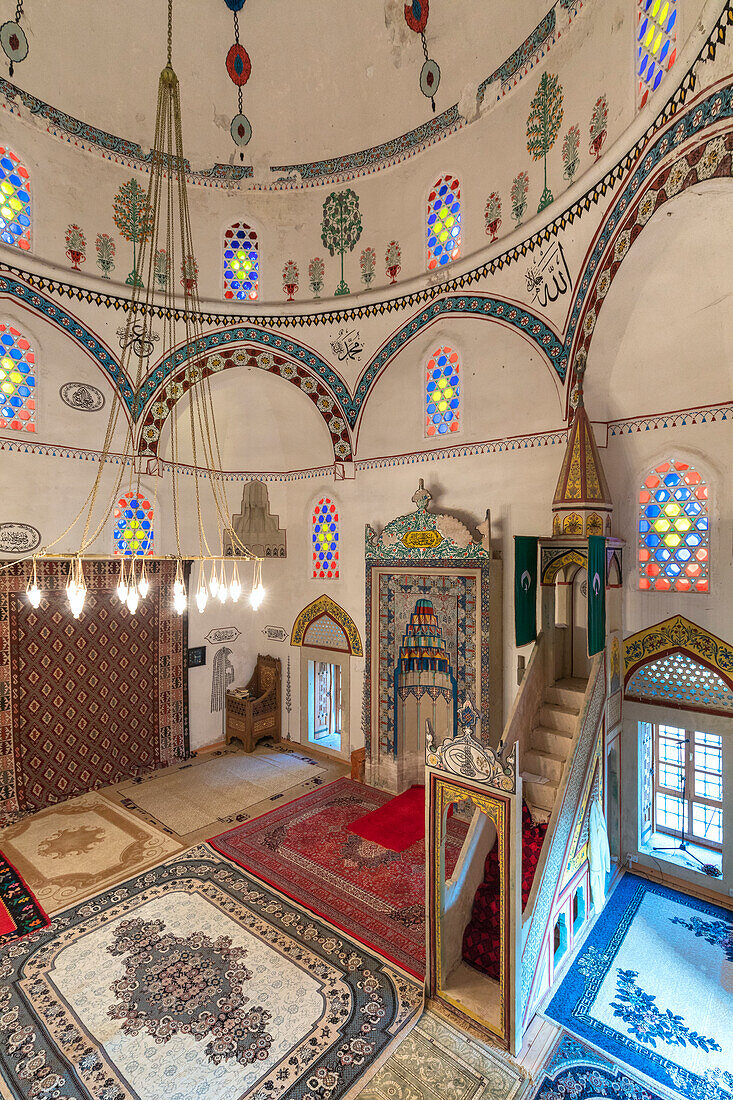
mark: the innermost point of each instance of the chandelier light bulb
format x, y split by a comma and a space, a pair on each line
122, 583
32, 590
179, 602
178, 589
257, 594
202, 597
143, 585
133, 599
235, 588
213, 581
76, 588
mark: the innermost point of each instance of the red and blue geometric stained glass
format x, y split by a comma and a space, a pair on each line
241, 262
15, 201
442, 392
133, 533
444, 222
325, 540
674, 530
656, 40
17, 381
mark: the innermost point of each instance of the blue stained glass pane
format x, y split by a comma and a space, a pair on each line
643, 65
662, 495
702, 523
672, 21
643, 525
443, 429
652, 510
7, 339
444, 260
665, 51
653, 540
657, 80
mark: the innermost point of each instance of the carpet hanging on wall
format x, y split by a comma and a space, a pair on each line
88, 701
306, 851
20, 913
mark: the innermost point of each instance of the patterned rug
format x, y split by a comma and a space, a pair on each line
436, 1062
189, 981
92, 700
67, 852
305, 850
577, 1072
653, 987
20, 913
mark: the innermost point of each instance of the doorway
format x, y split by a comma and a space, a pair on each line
324, 704
324, 700
580, 661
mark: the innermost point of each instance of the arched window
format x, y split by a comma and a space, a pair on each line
325, 536
133, 533
674, 535
241, 262
442, 392
656, 43
15, 200
17, 381
444, 222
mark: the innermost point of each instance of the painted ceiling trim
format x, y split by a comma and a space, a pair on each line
518, 64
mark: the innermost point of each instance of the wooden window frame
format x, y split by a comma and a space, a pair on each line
687, 768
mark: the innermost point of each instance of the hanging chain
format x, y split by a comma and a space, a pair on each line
18, 11
170, 32
424, 45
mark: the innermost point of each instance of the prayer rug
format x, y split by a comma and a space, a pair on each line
305, 850
193, 980
651, 987
397, 824
576, 1071
93, 700
20, 913
437, 1062
69, 851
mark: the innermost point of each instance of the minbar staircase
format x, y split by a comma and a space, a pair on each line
549, 744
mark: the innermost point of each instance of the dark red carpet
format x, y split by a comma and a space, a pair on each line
481, 938
397, 824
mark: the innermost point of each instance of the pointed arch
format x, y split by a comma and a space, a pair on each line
325, 621
325, 539
444, 222
680, 664
241, 262
674, 529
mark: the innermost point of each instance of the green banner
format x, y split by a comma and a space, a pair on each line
596, 594
525, 588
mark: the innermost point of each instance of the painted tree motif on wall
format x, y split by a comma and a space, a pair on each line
368, 265
161, 268
393, 261
106, 248
518, 195
316, 273
291, 276
571, 152
598, 124
133, 216
341, 227
543, 125
492, 215
76, 246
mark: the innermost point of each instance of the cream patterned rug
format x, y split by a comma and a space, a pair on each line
435, 1061
74, 849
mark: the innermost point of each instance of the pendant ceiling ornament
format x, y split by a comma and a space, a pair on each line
117, 500
239, 68
13, 39
416, 17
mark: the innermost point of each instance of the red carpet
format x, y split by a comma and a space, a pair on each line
481, 937
307, 851
397, 824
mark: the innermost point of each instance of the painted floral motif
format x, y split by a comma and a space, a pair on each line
316, 273
571, 152
290, 279
368, 265
161, 268
520, 187
76, 246
188, 986
717, 932
105, 246
492, 215
393, 260
598, 124
647, 1022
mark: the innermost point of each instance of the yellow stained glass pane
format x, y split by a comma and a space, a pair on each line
672, 509
16, 376
443, 237
649, 35
683, 523
15, 203
672, 540
7, 188
656, 7
7, 387
657, 43
450, 221
442, 406
449, 392
661, 525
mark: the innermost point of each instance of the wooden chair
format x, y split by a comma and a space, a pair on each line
259, 715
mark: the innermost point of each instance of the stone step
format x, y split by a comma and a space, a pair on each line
540, 794
549, 764
550, 740
538, 812
558, 717
568, 693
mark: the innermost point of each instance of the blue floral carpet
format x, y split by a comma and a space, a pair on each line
193, 981
576, 1072
653, 987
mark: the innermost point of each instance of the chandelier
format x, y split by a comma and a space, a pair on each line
166, 250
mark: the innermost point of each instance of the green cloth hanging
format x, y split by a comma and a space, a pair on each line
525, 588
596, 594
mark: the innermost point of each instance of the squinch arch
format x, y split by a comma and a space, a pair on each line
324, 608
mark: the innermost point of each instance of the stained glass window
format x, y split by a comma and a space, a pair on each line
133, 534
325, 539
444, 222
674, 530
17, 381
15, 201
442, 392
656, 43
241, 262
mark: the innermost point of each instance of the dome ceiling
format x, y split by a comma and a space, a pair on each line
328, 77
